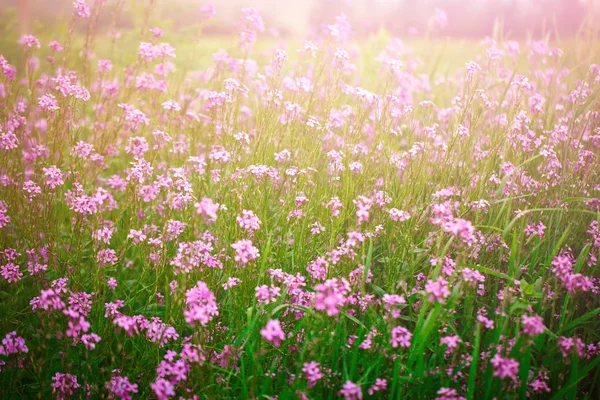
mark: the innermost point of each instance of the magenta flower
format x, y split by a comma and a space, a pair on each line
312, 373
266, 294
120, 387
401, 337
13, 344
505, 367
244, 252
207, 209
351, 391
448, 394
11, 272
81, 9
231, 282
201, 305
248, 221
29, 41
273, 333
64, 385
398, 215
451, 341
379, 385
532, 325
331, 296
438, 290
163, 389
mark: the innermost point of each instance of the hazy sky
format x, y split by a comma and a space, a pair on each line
296, 15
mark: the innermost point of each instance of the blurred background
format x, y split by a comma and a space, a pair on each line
465, 18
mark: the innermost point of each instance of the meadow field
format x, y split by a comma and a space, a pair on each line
194, 217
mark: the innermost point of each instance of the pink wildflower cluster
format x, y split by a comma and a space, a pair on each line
273, 333
245, 252
201, 305
563, 269
438, 290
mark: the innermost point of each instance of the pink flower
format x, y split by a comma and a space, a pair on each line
336, 205
252, 19
438, 290
245, 252
29, 41
13, 344
363, 205
90, 340
318, 268
48, 102
532, 325
439, 18
104, 65
312, 373
131, 325
448, 394
120, 387
137, 146
401, 337
472, 275
163, 389
11, 272
159, 332
266, 294
379, 385
567, 344
539, 385
273, 333
8, 141
156, 32
48, 299
64, 385
451, 341
193, 255
505, 367
201, 305
398, 215
535, 230
331, 296
149, 52
231, 282
54, 177
77, 325
207, 209
351, 391
283, 155
106, 257
218, 154
563, 269
208, 11
248, 221
171, 105
31, 189
4, 218
487, 323
112, 283
81, 9
356, 167
316, 228
55, 46
133, 116
461, 228
390, 303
